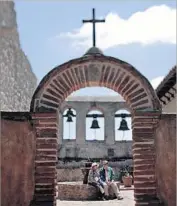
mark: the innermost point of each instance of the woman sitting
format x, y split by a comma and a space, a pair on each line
94, 179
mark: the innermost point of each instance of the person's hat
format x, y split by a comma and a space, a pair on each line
105, 162
94, 164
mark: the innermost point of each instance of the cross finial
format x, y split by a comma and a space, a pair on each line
94, 21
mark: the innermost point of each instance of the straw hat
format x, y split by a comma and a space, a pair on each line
94, 164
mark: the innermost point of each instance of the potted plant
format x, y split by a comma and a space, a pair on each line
127, 179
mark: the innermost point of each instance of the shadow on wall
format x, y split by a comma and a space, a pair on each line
17, 163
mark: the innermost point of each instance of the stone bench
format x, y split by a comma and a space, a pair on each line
78, 191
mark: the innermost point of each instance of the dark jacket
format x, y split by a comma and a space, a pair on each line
110, 174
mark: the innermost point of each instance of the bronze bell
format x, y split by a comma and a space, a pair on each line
123, 125
69, 119
94, 123
69, 113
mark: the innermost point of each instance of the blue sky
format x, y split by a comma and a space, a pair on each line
141, 33
41, 22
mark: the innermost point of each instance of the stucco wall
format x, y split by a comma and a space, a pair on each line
17, 80
17, 163
171, 106
82, 148
166, 159
95, 149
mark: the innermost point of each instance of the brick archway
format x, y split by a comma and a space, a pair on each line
96, 71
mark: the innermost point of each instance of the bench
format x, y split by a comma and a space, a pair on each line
78, 191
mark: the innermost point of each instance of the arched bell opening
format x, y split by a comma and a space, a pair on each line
69, 124
123, 125
95, 126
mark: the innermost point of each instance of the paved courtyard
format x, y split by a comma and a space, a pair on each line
127, 201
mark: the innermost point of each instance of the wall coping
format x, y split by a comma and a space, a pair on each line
16, 116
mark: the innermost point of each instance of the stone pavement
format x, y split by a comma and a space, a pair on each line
127, 201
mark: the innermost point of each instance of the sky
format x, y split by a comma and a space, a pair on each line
142, 33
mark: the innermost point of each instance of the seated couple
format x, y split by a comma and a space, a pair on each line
103, 179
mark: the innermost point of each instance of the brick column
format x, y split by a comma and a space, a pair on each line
46, 158
144, 157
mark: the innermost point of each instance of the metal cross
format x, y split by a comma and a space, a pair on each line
94, 21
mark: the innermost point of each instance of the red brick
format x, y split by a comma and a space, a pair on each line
144, 167
134, 94
46, 158
135, 99
46, 175
143, 146
145, 162
143, 156
140, 103
46, 141
142, 130
44, 187
46, 163
144, 185
40, 170
47, 121
144, 179
44, 192
145, 191
44, 180
45, 126
39, 116
131, 89
143, 172
144, 151
48, 132
46, 146
138, 136
52, 152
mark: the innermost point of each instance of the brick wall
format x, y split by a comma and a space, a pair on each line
46, 158
166, 159
17, 163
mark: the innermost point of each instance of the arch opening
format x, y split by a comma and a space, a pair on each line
121, 77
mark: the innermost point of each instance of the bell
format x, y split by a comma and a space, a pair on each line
69, 113
94, 124
123, 125
69, 119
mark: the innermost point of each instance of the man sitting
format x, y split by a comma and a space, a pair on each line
107, 177
94, 179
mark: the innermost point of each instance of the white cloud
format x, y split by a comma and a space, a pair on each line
156, 24
156, 81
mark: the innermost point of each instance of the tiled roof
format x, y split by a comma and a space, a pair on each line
167, 83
